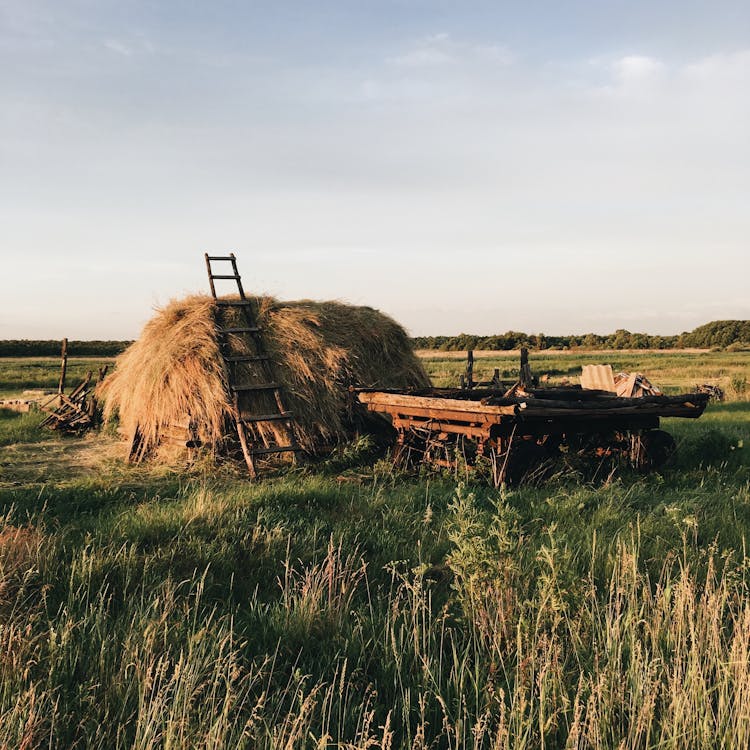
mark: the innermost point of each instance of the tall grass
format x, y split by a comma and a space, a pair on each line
506, 644
367, 609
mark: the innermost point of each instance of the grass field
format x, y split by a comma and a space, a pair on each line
23, 373
345, 605
673, 370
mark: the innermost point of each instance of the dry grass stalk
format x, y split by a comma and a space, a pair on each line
173, 376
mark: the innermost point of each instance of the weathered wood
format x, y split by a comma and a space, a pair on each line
470, 369
63, 366
694, 401
687, 411
422, 402
75, 412
525, 376
569, 392
82, 386
136, 449
442, 414
438, 426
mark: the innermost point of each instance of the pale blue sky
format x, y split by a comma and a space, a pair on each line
463, 166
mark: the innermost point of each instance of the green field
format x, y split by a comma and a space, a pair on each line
25, 373
673, 371
345, 605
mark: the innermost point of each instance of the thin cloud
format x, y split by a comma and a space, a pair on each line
725, 66
441, 49
637, 68
422, 56
118, 47
136, 45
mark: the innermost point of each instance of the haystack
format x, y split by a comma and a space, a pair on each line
173, 376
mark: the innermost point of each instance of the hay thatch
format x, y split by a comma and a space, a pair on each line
174, 374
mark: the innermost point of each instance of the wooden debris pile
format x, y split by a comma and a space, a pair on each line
634, 385
715, 393
77, 411
624, 384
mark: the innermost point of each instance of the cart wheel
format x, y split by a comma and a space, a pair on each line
658, 446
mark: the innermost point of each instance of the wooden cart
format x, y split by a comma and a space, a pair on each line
515, 433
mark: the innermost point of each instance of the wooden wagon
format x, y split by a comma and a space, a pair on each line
514, 433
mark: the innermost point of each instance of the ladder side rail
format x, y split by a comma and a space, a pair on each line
238, 278
246, 451
210, 275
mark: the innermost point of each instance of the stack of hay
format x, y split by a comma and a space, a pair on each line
173, 375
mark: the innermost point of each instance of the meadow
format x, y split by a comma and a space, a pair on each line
342, 604
675, 370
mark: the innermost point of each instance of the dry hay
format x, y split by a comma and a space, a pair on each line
174, 374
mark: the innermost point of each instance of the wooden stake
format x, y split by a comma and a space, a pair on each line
525, 374
63, 366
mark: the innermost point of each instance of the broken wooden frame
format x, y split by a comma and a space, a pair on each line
77, 411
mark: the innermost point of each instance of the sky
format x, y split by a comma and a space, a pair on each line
463, 166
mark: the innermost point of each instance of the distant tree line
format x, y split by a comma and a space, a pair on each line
51, 348
718, 334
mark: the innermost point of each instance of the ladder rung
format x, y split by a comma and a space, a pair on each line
248, 358
221, 257
277, 449
253, 329
233, 302
261, 387
225, 276
284, 416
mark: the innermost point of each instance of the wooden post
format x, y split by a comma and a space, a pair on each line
63, 366
525, 374
470, 369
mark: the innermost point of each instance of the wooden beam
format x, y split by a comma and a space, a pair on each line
423, 402
436, 426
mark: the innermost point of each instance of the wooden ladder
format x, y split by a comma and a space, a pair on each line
241, 392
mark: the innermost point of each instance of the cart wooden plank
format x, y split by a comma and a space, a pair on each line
424, 404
